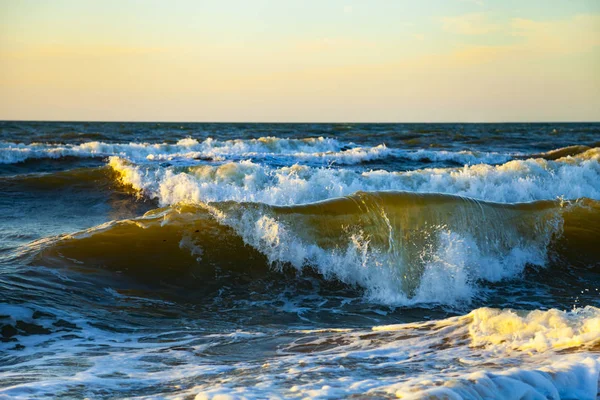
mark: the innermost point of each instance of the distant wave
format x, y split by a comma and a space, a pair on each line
571, 176
186, 151
316, 150
562, 152
93, 177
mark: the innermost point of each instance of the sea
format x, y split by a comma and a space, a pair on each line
321, 261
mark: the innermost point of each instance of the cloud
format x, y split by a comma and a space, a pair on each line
469, 24
332, 43
531, 39
477, 2
579, 33
91, 51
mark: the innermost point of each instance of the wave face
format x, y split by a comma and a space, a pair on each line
299, 260
402, 248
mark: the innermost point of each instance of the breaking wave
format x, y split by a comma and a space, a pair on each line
570, 177
401, 248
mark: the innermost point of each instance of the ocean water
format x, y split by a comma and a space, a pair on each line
266, 261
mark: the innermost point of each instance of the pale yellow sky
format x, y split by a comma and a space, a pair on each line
268, 60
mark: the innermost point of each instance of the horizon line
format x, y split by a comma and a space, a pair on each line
302, 122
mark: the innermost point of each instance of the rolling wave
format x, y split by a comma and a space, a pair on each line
515, 181
401, 248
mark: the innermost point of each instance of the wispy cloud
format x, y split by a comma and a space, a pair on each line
332, 43
576, 34
476, 2
469, 24
69, 51
534, 38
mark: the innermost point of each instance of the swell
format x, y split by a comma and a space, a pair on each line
49, 165
174, 243
569, 151
93, 177
102, 180
400, 247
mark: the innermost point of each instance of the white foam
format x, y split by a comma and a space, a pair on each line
569, 378
474, 356
536, 330
515, 181
461, 157
444, 359
502, 335
18, 152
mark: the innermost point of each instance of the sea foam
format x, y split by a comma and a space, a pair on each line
514, 181
486, 353
468, 364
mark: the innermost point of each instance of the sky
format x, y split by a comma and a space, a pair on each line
300, 60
